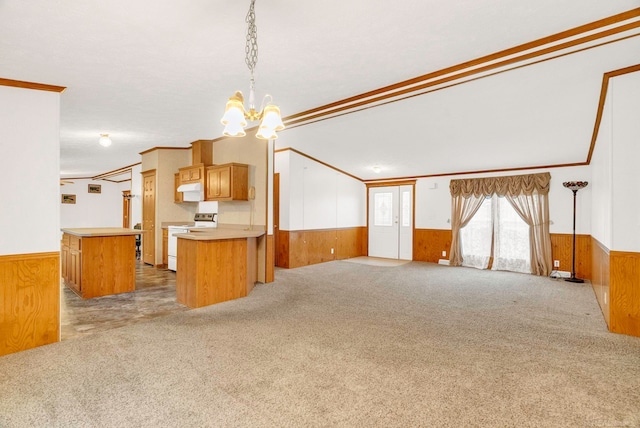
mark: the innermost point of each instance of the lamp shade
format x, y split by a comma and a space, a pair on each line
271, 118
575, 185
233, 129
265, 133
234, 114
234, 111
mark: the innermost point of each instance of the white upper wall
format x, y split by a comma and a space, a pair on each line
625, 99
253, 152
314, 196
102, 209
30, 167
601, 187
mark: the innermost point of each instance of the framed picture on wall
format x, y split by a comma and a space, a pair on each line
95, 188
68, 199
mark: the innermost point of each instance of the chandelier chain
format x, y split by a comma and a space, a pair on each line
251, 48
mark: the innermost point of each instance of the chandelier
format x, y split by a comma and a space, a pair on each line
235, 116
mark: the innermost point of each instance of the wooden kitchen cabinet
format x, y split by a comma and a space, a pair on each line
228, 182
177, 196
71, 259
165, 247
99, 261
191, 174
65, 257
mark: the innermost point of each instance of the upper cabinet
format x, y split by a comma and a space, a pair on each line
177, 196
228, 182
191, 174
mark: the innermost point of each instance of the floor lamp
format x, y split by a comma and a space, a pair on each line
574, 186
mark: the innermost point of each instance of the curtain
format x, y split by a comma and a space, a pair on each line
502, 186
528, 194
462, 210
534, 210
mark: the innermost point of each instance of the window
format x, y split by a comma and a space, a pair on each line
383, 211
406, 209
496, 234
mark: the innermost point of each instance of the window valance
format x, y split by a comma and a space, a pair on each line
512, 185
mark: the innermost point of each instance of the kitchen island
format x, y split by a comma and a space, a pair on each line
99, 261
216, 265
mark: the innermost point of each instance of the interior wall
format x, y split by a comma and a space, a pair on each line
30, 214
625, 97
136, 191
281, 166
92, 209
30, 167
253, 152
601, 187
166, 209
166, 163
433, 199
314, 196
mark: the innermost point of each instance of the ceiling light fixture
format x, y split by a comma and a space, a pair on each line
235, 116
376, 169
104, 140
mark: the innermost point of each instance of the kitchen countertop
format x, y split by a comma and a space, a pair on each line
214, 234
101, 231
166, 224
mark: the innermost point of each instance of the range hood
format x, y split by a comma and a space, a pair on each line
192, 192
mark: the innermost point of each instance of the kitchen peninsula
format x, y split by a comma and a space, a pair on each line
99, 261
216, 265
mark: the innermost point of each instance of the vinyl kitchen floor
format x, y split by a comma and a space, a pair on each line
155, 296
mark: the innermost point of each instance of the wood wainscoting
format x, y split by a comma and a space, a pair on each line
428, 244
562, 250
616, 284
30, 301
624, 283
307, 247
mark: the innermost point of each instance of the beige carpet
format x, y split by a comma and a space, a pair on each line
377, 261
346, 345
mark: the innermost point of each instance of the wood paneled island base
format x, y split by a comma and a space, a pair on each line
212, 269
99, 261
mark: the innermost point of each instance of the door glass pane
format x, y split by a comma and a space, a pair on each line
383, 211
406, 209
512, 250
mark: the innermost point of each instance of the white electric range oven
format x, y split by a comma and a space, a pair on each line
200, 220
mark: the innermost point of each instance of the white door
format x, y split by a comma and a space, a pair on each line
391, 222
406, 223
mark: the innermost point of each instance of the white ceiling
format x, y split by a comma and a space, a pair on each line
158, 74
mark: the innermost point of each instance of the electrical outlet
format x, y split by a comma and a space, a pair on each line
444, 254
556, 263
332, 251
